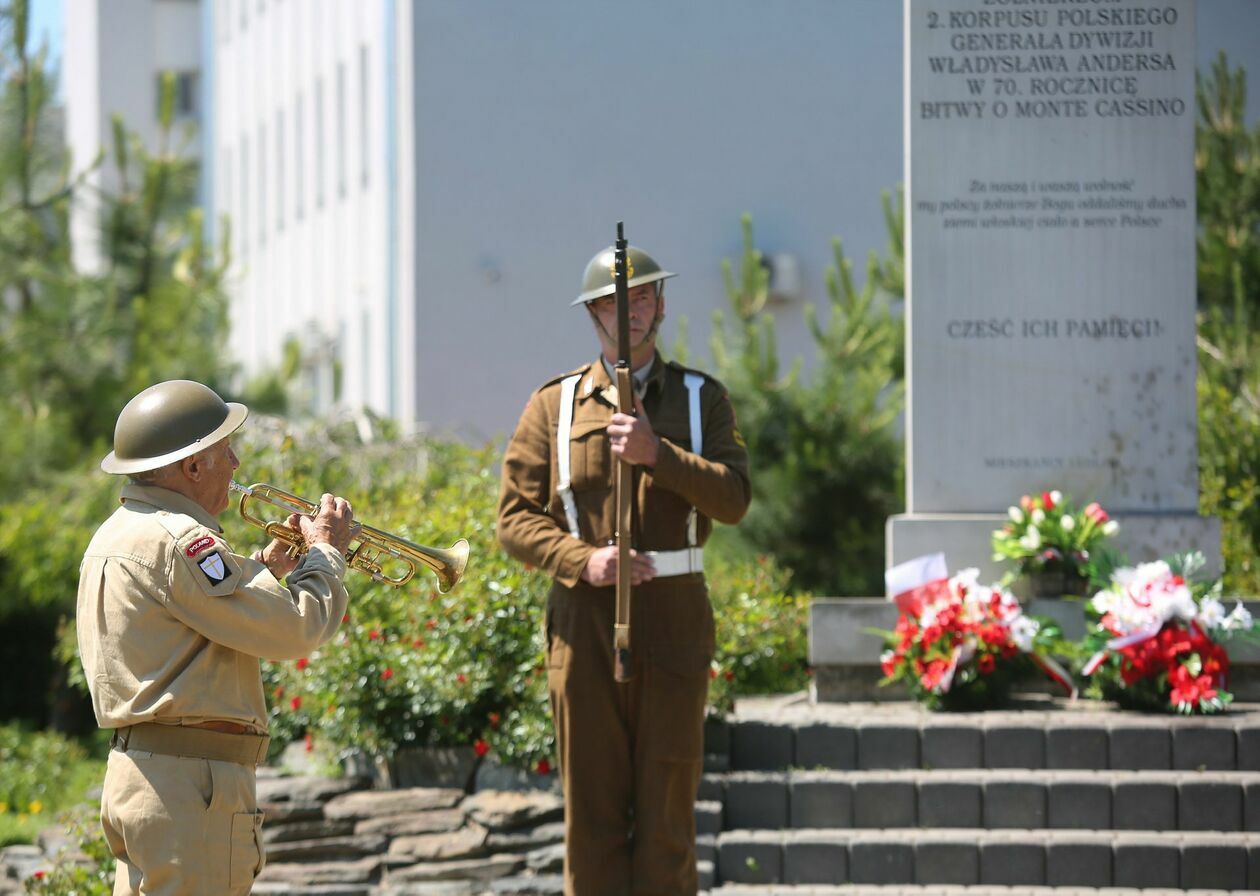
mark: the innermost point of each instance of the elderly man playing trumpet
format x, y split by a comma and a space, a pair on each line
171, 625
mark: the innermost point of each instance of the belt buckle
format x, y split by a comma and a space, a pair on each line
120, 738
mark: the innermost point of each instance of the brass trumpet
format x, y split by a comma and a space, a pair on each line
370, 550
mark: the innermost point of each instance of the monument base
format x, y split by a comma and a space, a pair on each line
966, 539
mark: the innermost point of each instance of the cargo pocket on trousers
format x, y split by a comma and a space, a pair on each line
246, 859
678, 686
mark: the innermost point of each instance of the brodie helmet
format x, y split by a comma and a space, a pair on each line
168, 422
598, 278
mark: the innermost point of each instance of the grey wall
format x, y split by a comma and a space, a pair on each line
539, 125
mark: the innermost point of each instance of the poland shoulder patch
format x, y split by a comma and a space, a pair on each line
213, 566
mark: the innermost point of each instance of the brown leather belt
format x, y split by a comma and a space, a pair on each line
191, 743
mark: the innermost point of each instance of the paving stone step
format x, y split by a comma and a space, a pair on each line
945, 890
1044, 732
1012, 858
984, 798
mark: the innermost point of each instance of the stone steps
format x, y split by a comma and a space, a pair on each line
1048, 797
985, 798
1046, 734
1024, 858
949, 890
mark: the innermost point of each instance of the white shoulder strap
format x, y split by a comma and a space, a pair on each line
694, 381
568, 388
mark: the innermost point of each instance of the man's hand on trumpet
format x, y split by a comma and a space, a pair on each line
332, 524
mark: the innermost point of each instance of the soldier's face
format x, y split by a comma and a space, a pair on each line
214, 468
646, 310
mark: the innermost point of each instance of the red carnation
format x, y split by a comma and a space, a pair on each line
543, 767
1047, 501
387, 674
986, 663
303, 663
373, 635
295, 704
481, 748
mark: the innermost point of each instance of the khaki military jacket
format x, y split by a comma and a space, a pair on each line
172, 621
532, 525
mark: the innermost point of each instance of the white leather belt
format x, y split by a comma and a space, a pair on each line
677, 563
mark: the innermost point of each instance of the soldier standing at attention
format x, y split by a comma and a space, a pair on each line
630, 753
171, 624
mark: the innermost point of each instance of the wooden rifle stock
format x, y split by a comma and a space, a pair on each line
623, 665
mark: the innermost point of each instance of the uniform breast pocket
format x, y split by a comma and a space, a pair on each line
589, 455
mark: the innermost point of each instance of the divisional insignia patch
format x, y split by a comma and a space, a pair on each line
212, 565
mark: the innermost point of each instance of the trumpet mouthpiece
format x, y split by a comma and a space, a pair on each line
235, 486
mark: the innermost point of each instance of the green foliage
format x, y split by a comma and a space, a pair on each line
826, 459
35, 769
412, 666
762, 631
85, 867
41, 775
1227, 166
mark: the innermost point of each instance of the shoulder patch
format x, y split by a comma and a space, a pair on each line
199, 545
210, 562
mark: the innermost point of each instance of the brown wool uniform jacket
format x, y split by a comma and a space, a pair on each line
162, 641
532, 524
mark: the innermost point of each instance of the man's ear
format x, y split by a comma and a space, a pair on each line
193, 466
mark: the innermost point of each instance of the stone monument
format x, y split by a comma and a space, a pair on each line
1050, 271
1050, 281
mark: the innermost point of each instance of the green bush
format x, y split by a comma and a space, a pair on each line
825, 455
412, 666
1227, 169
86, 866
36, 770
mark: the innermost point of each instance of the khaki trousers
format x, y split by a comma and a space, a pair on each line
630, 754
181, 827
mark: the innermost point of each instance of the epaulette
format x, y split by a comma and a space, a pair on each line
708, 378
555, 380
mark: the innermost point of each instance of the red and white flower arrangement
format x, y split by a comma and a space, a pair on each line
959, 644
1157, 645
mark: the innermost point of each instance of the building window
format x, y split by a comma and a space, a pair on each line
242, 229
262, 185
299, 161
341, 130
225, 190
279, 169
318, 142
185, 103
364, 138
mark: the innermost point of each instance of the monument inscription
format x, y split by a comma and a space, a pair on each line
1051, 241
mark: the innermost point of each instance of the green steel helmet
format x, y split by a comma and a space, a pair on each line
168, 422
597, 280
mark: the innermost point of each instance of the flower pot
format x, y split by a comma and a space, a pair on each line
1050, 584
430, 767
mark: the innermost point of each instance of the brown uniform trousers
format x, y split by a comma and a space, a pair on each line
630, 754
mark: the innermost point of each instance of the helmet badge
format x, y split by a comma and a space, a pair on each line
612, 268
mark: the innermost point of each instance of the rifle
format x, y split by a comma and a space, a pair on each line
622, 661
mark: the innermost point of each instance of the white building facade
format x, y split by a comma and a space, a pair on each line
114, 56
415, 186
305, 145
